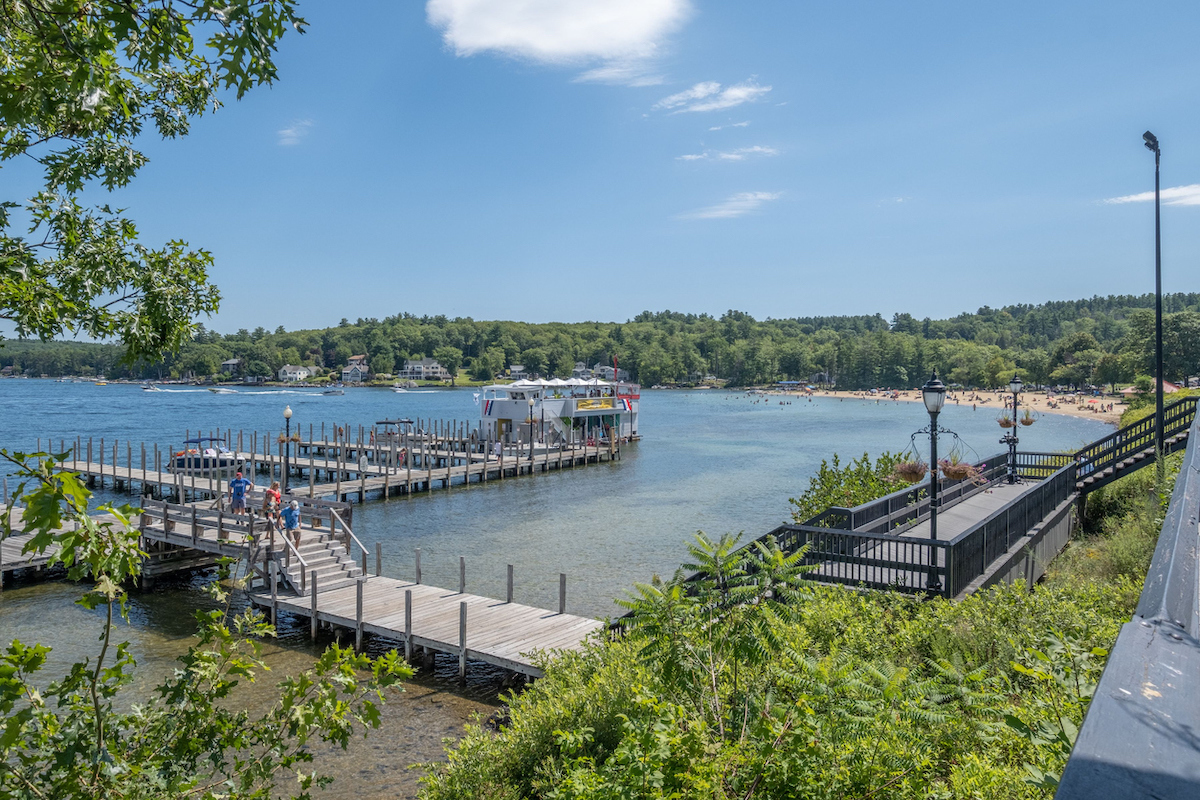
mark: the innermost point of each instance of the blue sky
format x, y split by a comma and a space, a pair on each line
588, 159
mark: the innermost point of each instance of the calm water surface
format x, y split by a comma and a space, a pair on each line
710, 460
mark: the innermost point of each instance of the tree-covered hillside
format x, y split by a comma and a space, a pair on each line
1097, 341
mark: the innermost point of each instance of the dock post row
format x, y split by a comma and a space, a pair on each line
438, 454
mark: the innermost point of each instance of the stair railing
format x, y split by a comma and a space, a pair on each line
335, 518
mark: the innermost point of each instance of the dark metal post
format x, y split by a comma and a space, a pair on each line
287, 452
1151, 142
934, 395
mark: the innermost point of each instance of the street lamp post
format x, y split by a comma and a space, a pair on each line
531, 433
934, 395
287, 446
1151, 142
1010, 438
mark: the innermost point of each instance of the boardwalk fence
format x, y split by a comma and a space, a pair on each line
1139, 738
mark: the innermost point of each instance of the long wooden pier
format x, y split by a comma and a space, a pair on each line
383, 466
325, 578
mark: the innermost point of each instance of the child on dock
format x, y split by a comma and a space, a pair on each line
271, 501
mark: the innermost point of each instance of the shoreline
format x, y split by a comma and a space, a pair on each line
1067, 405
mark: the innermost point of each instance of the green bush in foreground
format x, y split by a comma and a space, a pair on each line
753, 682
725, 692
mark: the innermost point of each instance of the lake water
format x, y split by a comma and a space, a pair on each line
709, 460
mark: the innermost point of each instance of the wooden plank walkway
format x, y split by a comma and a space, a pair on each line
496, 632
438, 467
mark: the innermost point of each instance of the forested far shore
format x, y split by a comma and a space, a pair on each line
1099, 341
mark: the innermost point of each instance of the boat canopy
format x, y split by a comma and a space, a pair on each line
203, 439
551, 383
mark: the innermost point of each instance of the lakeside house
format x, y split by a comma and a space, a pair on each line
517, 372
425, 369
581, 372
290, 373
232, 366
356, 370
605, 373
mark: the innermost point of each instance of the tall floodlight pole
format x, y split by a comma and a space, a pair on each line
1151, 142
934, 395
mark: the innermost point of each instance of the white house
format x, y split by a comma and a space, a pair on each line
355, 372
290, 373
517, 372
425, 369
606, 373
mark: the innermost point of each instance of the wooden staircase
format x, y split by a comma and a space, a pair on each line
326, 556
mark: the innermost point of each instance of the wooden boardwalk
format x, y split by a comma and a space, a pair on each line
418, 615
425, 469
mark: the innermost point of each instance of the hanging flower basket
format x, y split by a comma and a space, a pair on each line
1005, 421
1028, 418
910, 471
956, 470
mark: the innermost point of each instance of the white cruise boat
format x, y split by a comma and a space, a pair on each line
560, 410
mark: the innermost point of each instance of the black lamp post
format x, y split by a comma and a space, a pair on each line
934, 395
1010, 438
287, 446
531, 432
1151, 142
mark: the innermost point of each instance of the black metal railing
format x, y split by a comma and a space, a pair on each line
873, 560
1141, 735
970, 553
900, 510
1134, 438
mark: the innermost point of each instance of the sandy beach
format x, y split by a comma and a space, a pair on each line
1039, 402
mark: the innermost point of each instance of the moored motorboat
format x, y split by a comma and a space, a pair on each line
205, 455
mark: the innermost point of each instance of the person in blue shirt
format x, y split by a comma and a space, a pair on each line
238, 487
291, 521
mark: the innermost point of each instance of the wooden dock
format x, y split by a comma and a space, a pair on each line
337, 469
418, 615
325, 579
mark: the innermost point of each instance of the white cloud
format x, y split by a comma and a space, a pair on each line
733, 125
709, 96
736, 205
624, 36
1175, 196
741, 153
697, 92
295, 132
732, 155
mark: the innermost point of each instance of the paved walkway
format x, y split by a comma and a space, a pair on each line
957, 518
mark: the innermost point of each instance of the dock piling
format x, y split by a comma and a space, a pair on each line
418, 565
378, 559
358, 617
462, 642
408, 647
562, 592
462, 575
312, 629
509, 595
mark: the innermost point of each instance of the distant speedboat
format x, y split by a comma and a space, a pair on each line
333, 391
151, 389
221, 390
400, 390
